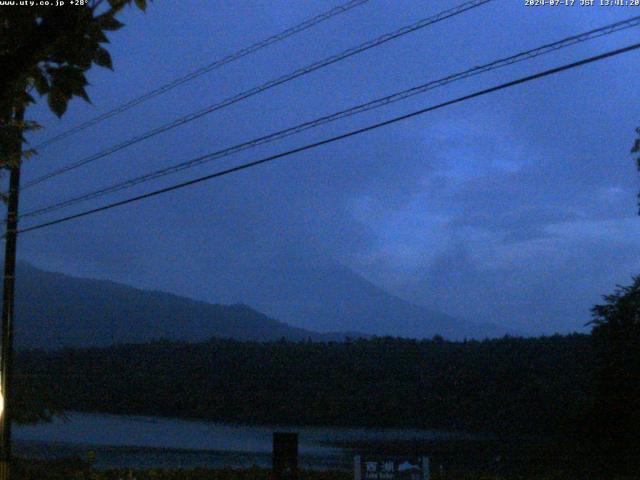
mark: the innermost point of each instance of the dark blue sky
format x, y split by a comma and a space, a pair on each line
518, 208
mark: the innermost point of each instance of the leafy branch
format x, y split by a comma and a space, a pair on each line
49, 50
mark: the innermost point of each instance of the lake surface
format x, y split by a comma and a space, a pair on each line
120, 441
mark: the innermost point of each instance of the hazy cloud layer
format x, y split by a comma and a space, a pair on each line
518, 208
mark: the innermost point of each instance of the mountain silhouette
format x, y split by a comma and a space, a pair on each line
329, 298
54, 310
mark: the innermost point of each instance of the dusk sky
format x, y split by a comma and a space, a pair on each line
517, 208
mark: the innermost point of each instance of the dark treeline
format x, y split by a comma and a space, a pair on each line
515, 385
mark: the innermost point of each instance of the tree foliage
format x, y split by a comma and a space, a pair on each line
48, 50
636, 150
616, 332
508, 385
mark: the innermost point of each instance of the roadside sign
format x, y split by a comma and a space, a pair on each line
390, 468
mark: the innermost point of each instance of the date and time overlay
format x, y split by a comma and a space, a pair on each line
582, 3
527, 3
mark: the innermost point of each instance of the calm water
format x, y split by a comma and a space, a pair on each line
146, 442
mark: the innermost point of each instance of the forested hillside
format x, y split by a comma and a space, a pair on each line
506, 385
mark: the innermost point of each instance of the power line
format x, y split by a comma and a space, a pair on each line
519, 57
266, 86
307, 24
336, 138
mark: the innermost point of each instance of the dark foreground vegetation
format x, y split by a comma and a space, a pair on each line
572, 401
73, 469
511, 385
78, 470
532, 393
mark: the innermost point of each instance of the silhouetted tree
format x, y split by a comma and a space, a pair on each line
616, 416
635, 150
48, 49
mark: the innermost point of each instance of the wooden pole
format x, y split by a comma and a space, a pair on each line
6, 354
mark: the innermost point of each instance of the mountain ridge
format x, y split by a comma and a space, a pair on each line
56, 310
330, 298
45, 318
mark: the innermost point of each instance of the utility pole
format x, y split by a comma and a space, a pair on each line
6, 354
